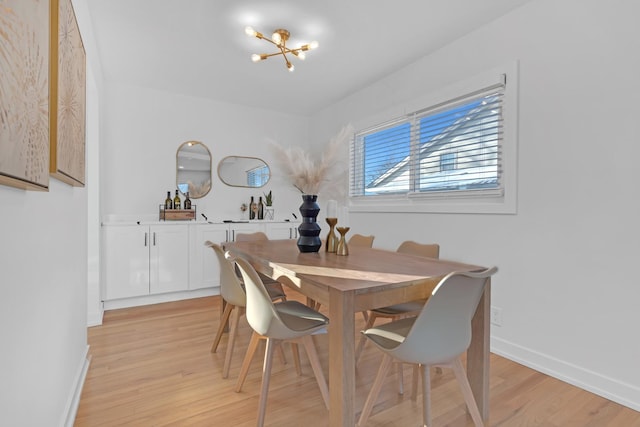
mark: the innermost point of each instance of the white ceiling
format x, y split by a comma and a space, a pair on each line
199, 48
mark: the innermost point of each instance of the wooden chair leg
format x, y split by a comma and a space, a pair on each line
426, 394
251, 349
375, 389
266, 375
233, 332
414, 382
461, 376
363, 339
400, 377
222, 327
296, 358
314, 360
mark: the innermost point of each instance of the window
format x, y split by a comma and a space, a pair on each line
257, 177
451, 150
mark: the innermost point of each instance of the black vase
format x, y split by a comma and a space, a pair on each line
309, 230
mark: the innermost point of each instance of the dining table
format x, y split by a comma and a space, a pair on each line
364, 279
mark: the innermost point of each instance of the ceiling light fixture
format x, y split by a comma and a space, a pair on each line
279, 39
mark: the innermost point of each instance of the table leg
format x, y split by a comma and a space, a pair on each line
478, 353
342, 384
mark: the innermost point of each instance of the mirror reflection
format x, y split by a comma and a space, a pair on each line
193, 169
239, 171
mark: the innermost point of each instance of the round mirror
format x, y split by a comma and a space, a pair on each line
238, 171
193, 169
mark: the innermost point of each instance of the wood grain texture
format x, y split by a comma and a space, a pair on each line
152, 366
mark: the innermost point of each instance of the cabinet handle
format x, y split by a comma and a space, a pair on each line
154, 238
145, 239
290, 232
233, 235
226, 235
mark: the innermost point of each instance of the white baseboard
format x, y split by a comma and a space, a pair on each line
156, 299
95, 318
73, 401
609, 388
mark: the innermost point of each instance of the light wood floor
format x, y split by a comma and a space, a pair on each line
151, 366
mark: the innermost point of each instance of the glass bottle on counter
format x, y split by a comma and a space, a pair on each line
168, 203
176, 201
187, 201
260, 209
252, 209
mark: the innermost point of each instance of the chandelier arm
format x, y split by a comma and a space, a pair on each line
284, 50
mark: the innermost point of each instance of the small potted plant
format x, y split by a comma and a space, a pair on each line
268, 198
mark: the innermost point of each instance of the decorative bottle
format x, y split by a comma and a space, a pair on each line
176, 201
252, 209
168, 203
187, 201
260, 209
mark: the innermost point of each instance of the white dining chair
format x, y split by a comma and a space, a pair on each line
268, 281
438, 336
235, 299
276, 323
398, 311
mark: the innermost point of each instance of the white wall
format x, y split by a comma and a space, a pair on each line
43, 294
145, 127
567, 282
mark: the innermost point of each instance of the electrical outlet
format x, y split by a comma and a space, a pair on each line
496, 316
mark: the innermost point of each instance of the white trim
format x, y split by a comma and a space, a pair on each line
95, 318
159, 298
609, 388
73, 401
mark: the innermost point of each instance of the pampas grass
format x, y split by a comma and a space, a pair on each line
312, 176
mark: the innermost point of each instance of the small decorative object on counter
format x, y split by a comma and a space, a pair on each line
243, 209
177, 214
168, 203
176, 201
187, 201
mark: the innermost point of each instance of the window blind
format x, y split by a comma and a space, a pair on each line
452, 146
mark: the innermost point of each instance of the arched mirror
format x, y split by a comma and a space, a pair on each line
239, 171
193, 169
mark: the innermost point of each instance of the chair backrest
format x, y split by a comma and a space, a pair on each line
428, 250
360, 240
260, 312
442, 330
230, 284
249, 237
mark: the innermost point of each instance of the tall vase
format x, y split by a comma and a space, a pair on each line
309, 230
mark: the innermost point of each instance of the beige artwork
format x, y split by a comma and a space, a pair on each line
24, 93
68, 98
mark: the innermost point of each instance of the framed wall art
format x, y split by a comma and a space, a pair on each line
67, 96
24, 94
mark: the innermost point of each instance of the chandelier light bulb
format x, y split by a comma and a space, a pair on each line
290, 67
301, 55
255, 57
276, 38
313, 45
250, 31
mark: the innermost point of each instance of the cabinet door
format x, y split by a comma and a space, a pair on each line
169, 258
126, 261
246, 227
204, 269
282, 230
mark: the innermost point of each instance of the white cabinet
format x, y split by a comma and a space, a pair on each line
143, 260
282, 230
244, 227
204, 270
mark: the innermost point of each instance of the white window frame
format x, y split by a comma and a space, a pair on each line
499, 201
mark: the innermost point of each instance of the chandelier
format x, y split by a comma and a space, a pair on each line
279, 39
